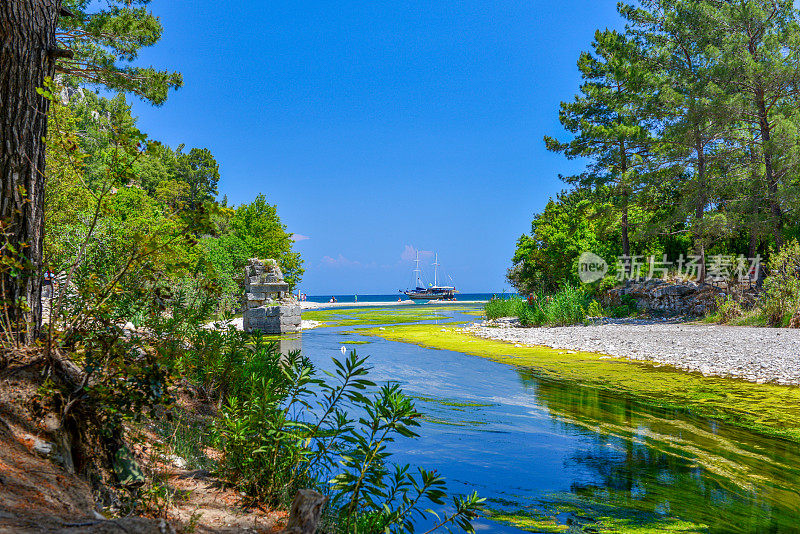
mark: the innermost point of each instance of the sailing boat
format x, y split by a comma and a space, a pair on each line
434, 292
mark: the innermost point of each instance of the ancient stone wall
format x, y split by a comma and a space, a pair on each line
268, 305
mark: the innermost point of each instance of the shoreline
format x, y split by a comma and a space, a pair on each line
307, 305
767, 408
756, 354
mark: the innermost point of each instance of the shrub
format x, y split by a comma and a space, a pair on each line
781, 297
505, 307
595, 310
285, 428
728, 309
627, 307
565, 307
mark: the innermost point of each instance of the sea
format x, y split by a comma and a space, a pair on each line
392, 297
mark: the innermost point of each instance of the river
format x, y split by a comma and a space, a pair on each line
547, 454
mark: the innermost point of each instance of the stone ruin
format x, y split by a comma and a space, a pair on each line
268, 305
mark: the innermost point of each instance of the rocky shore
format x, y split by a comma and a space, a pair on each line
755, 354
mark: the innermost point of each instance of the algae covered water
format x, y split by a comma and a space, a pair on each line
552, 456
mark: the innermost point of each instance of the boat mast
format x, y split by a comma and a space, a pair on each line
435, 266
417, 270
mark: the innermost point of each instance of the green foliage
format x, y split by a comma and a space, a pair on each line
567, 306
258, 226
113, 196
595, 310
573, 223
105, 38
689, 123
781, 298
505, 307
564, 307
627, 307
198, 172
728, 309
282, 427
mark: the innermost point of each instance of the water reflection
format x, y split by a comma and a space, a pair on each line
669, 462
578, 454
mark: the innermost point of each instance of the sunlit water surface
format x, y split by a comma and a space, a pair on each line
551, 449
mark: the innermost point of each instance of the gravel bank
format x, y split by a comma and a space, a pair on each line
755, 354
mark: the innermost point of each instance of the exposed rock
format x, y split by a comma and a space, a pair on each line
684, 298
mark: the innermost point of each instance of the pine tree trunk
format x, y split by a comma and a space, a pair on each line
624, 224
626, 244
702, 200
27, 37
772, 180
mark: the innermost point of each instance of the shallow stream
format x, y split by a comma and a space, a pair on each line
549, 454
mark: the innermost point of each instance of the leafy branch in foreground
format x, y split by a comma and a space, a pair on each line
283, 428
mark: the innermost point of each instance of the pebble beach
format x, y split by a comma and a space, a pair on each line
752, 353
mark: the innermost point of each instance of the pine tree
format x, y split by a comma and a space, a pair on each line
609, 121
758, 64
84, 40
688, 106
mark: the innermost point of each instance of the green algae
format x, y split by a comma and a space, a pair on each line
354, 342
452, 403
387, 315
583, 519
765, 408
372, 316
529, 521
450, 422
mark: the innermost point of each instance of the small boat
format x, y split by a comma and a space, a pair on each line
433, 292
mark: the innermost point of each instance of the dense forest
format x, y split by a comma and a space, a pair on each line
688, 123
134, 209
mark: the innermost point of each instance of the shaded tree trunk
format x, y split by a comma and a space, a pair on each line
702, 200
27, 42
772, 181
624, 224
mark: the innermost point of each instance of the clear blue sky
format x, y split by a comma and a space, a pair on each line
376, 126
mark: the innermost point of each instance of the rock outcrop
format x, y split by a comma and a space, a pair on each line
268, 305
681, 298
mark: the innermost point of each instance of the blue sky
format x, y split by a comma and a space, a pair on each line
380, 127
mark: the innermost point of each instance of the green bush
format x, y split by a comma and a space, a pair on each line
728, 309
781, 299
627, 307
564, 307
595, 310
505, 307
282, 428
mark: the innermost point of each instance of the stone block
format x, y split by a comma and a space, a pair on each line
256, 312
269, 288
255, 296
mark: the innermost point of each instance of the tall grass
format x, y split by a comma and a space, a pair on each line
565, 307
505, 307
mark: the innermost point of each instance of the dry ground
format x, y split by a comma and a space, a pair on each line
37, 495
